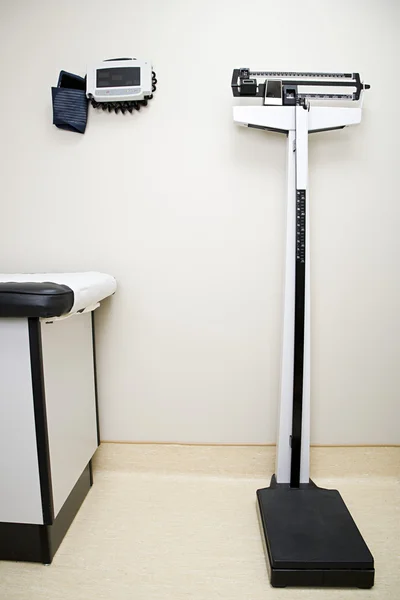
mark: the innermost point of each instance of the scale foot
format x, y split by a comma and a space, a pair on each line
311, 538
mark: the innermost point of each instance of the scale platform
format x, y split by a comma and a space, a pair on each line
311, 538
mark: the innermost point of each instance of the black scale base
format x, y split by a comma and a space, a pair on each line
311, 538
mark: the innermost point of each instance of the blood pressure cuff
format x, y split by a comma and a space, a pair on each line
70, 105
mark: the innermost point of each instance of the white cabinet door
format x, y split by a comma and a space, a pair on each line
70, 400
20, 498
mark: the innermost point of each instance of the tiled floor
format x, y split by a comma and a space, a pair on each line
176, 522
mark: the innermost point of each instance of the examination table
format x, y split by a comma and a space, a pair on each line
48, 406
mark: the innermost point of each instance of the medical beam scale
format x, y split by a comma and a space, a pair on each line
310, 536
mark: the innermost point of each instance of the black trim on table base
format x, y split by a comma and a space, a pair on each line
39, 543
39, 407
311, 538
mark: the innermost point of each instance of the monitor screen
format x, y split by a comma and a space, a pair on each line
118, 77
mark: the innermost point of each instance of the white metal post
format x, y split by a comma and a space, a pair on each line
283, 450
297, 179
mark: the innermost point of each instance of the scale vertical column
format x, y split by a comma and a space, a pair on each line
283, 450
299, 471
305, 427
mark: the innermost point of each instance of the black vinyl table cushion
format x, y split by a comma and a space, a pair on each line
31, 299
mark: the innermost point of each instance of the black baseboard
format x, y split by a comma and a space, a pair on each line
311, 538
39, 543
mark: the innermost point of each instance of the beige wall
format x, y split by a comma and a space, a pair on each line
187, 211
